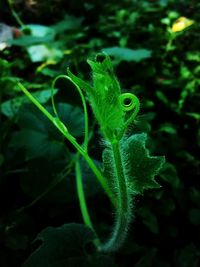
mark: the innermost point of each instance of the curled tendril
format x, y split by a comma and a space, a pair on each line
129, 102
57, 119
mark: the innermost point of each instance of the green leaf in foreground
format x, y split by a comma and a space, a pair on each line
66, 246
127, 54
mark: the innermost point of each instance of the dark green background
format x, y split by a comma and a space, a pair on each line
166, 228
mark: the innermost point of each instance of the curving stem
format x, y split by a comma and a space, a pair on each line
124, 210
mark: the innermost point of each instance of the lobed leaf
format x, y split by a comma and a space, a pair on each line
141, 168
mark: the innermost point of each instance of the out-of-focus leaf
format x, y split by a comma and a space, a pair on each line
10, 107
72, 117
49, 181
41, 141
168, 206
168, 128
66, 246
4, 67
68, 23
39, 137
41, 30
53, 183
161, 96
189, 89
188, 257
149, 219
165, 21
143, 125
148, 258
17, 241
170, 175
194, 215
193, 56
90, 183
37, 144
26, 41
37, 34
40, 53
1, 159
185, 72
195, 195
196, 116
127, 54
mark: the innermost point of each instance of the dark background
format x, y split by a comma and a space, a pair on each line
166, 228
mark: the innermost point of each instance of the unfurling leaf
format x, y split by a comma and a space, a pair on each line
106, 99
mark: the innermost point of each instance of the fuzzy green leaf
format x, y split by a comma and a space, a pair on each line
82, 84
105, 101
104, 95
141, 168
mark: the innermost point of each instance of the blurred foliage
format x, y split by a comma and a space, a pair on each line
154, 61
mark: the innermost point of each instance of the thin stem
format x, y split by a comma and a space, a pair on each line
100, 178
35, 102
123, 212
79, 178
82, 200
14, 13
86, 137
61, 127
135, 112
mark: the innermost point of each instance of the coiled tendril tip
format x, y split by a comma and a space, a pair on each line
127, 101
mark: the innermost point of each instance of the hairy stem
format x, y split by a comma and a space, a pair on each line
123, 212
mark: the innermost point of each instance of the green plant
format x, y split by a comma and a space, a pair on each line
128, 169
